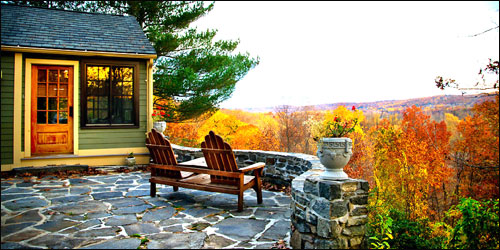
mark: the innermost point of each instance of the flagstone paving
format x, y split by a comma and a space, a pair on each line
115, 211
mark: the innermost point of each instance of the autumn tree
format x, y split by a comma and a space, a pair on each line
409, 169
476, 153
294, 132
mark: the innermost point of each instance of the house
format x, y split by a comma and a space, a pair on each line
76, 88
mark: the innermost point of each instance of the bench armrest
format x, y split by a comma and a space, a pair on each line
254, 166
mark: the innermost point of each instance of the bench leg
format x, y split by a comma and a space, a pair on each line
258, 188
153, 189
176, 188
240, 201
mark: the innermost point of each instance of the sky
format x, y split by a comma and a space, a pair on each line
326, 52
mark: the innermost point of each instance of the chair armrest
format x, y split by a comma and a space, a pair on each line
254, 166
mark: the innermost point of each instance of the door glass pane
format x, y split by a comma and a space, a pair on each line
42, 75
63, 117
63, 75
41, 103
52, 103
63, 103
63, 90
52, 89
52, 117
41, 117
52, 75
41, 89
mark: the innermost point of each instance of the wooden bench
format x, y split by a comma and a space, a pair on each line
217, 173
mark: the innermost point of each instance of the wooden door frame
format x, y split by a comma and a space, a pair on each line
56, 127
27, 100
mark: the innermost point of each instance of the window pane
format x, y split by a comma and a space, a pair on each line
103, 73
41, 89
92, 73
97, 110
63, 75
41, 117
90, 102
92, 88
122, 109
52, 89
52, 103
41, 103
42, 75
128, 74
63, 118
117, 88
103, 116
103, 102
103, 88
52, 117
63, 90
117, 74
63, 104
128, 88
53, 75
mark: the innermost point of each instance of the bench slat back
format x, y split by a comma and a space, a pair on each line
161, 155
219, 156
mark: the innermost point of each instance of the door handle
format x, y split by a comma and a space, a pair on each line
71, 111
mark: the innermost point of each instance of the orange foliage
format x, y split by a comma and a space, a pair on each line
410, 165
476, 155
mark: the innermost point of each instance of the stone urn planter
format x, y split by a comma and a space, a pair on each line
334, 154
130, 160
160, 126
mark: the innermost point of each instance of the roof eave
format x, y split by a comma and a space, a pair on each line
75, 52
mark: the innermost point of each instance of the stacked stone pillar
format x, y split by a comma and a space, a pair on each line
328, 214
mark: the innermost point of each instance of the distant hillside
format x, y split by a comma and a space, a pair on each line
458, 105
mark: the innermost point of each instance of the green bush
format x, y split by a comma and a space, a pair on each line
413, 234
478, 224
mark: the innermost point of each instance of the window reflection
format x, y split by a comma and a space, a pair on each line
109, 94
53, 75
42, 75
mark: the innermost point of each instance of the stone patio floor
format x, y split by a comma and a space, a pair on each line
115, 211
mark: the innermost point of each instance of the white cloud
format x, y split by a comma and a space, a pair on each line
323, 52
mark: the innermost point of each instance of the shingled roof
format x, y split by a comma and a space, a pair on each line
71, 30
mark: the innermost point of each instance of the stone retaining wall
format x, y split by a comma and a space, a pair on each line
281, 168
328, 214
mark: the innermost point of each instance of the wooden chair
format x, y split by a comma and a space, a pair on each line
219, 156
161, 153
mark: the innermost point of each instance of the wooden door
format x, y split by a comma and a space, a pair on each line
51, 109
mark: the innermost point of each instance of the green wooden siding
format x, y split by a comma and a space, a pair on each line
104, 138
7, 108
120, 138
